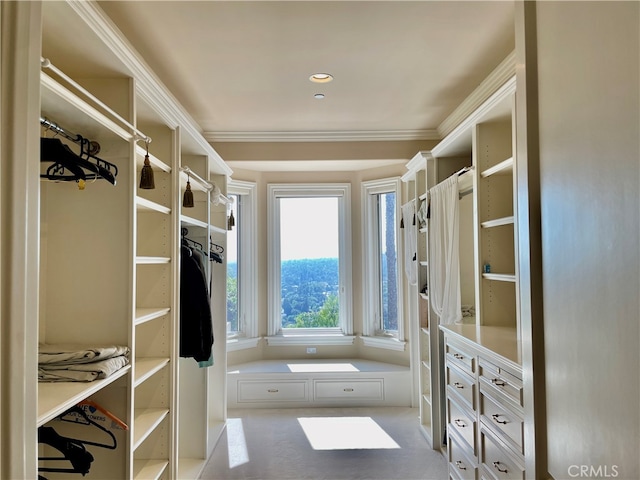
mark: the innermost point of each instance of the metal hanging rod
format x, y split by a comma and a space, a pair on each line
138, 135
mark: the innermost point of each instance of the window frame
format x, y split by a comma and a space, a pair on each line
373, 333
247, 336
341, 335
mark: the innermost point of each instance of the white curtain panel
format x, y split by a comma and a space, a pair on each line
444, 251
410, 242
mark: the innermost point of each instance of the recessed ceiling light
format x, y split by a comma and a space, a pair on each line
321, 77
319, 96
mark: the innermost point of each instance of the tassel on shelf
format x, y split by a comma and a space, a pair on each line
146, 175
187, 199
231, 221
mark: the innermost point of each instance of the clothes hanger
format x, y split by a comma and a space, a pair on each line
104, 411
104, 167
88, 421
53, 150
73, 451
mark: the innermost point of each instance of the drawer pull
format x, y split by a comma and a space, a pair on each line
496, 465
497, 382
459, 422
458, 385
460, 465
347, 389
458, 356
272, 390
496, 419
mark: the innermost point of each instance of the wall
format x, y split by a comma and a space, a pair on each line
588, 70
354, 178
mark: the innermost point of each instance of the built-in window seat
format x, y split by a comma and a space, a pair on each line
306, 383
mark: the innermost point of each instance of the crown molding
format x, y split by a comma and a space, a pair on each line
148, 85
498, 77
323, 136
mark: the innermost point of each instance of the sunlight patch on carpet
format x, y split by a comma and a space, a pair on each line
238, 452
345, 433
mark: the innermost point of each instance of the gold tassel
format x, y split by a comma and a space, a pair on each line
231, 222
187, 199
146, 175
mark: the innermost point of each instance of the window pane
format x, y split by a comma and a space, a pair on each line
388, 261
233, 236
309, 268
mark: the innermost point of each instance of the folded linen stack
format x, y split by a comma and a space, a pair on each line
79, 363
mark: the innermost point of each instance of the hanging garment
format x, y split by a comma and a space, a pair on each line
196, 329
410, 242
444, 251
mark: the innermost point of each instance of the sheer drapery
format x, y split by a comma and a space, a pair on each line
444, 251
410, 242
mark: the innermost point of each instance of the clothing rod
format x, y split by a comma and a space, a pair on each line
207, 185
45, 122
219, 197
46, 63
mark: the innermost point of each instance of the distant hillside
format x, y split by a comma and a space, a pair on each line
307, 284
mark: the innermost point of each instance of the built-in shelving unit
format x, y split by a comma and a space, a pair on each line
481, 357
110, 253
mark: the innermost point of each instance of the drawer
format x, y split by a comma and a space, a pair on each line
276, 391
497, 381
464, 360
372, 389
496, 461
463, 424
459, 464
462, 385
507, 422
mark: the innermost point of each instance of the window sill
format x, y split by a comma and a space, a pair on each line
241, 343
325, 339
384, 342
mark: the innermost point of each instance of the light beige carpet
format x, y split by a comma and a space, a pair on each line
324, 444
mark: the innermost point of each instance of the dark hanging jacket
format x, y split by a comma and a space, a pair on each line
196, 329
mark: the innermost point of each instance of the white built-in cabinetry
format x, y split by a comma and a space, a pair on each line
110, 254
483, 386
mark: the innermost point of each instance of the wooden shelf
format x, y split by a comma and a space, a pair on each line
147, 367
57, 101
55, 398
145, 421
502, 168
149, 469
147, 314
499, 277
498, 222
186, 221
144, 205
152, 260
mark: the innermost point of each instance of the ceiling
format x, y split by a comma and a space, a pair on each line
241, 69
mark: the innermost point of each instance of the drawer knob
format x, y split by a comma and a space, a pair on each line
496, 465
348, 389
459, 422
458, 385
272, 390
496, 419
460, 465
498, 382
458, 356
